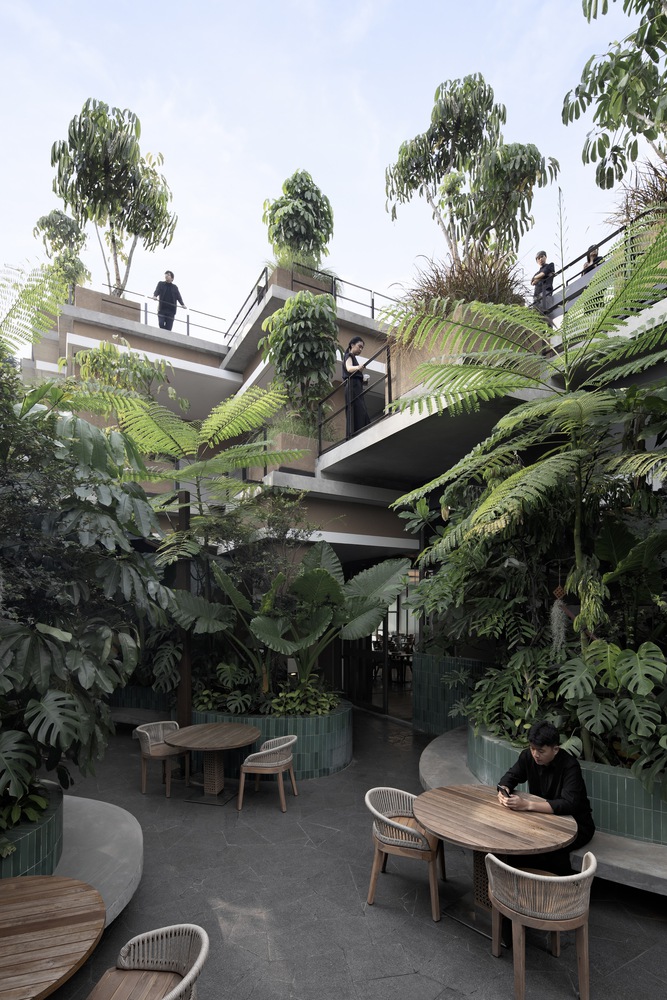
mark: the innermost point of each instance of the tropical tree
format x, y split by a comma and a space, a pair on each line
102, 176
63, 241
73, 588
479, 189
582, 452
321, 606
300, 223
579, 440
301, 343
30, 299
627, 88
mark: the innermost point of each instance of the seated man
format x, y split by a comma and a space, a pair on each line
556, 777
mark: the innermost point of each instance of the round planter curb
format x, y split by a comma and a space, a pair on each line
324, 742
39, 844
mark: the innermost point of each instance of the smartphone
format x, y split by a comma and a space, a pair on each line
503, 791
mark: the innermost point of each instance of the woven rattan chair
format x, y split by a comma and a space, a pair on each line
396, 831
273, 757
151, 740
161, 965
546, 902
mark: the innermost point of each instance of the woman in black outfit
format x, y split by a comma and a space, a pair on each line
356, 414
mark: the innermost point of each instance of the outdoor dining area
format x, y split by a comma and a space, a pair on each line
326, 899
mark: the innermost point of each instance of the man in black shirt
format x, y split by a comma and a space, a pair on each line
168, 295
543, 283
556, 777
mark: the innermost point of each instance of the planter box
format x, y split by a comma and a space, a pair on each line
431, 699
40, 844
324, 744
621, 804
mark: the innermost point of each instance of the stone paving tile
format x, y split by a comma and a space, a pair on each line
283, 896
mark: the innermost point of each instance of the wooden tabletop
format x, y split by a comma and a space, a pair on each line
49, 925
213, 736
472, 817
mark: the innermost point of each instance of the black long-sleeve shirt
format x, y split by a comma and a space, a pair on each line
561, 783
168, 294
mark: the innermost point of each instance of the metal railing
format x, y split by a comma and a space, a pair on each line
194, 323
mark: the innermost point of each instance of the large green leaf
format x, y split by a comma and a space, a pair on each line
200, 615
322, 556
641, 671
382, 582
599, 715
55, 720
577, 679
18, 762
273, 631
362, 623
640, 716
642, 558
317, 586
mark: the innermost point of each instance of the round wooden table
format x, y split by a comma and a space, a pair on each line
49, 925
472, 817
212, 739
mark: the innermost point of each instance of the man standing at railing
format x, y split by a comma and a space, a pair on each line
168, 296
543, 283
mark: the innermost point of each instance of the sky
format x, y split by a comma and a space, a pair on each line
237, 96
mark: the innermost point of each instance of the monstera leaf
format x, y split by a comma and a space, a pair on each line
640, 716
640, 672
18, 761
599, 715
55, 720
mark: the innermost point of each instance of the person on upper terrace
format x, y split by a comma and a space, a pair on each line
354, 377
593, 259
168, 296
543, 283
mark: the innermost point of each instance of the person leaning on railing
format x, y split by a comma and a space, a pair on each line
354, 377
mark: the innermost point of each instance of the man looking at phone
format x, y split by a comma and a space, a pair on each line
556, 777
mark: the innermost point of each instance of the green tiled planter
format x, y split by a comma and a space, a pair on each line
621, 804
324, 744
38, 845
431, 699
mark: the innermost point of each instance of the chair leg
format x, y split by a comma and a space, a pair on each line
433, 882
581, 941
167, 772
257, 777
187, 769
379, 862
239, 801
281, 790
555, 943
292, 779
496, 925
441, 857
144, 770
519, 948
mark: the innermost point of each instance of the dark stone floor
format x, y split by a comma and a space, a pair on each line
283, 897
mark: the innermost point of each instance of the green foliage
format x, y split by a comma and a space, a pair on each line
307, 698
627, 88
301, 343
26, 808
481, 276
479, 189
319, 606
63, 241
29, 302
300, 222
237, 691
102, 176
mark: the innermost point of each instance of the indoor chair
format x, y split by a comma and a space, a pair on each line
160, 965
546, 902
396, 831
273, 757
151, 740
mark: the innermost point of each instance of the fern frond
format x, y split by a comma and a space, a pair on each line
242, 413
155, 429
